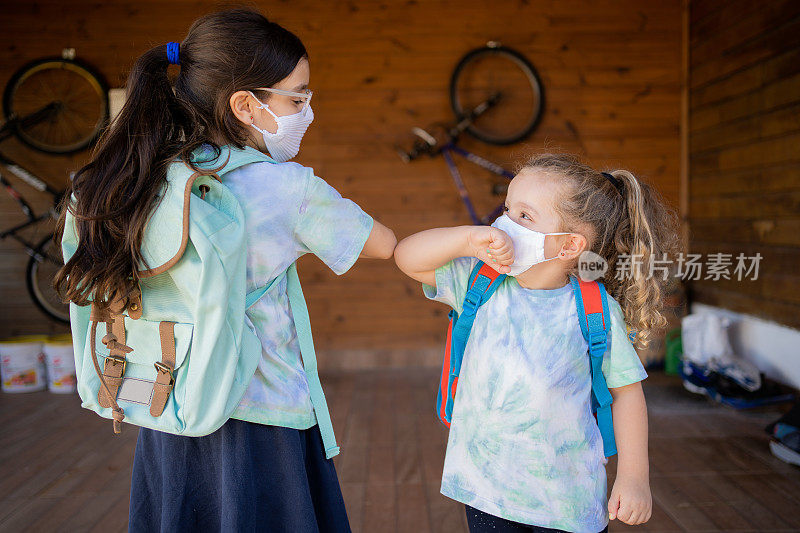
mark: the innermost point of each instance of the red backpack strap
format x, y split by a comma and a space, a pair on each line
482, 283
484, 270
591, 301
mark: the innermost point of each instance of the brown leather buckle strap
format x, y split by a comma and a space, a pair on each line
113, 370
165, 380
115, 363
114, 367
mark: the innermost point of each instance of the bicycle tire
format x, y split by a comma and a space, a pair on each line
56, 311
530, 73
96, 116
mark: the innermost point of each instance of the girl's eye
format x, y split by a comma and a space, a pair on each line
525, 216
298, 102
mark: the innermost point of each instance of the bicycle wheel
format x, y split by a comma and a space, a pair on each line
80, 104
496, 71
42, 269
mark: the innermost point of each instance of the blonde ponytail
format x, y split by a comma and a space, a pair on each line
647, 234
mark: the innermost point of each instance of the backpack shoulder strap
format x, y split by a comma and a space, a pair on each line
591, 300
256, 294
303, 326
230, 158
162, 250
483, 282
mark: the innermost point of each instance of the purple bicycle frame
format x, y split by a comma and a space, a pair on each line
447, 150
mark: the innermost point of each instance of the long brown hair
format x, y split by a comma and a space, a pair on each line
114, 194
632, 220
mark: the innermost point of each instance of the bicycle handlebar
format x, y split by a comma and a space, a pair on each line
14, 121
427, 143
479, 110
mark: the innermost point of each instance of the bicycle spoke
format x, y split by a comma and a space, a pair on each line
85, 112
51, 87
69, 122
50, 128
82, 99
69, 85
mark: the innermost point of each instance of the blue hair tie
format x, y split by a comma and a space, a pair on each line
174, 53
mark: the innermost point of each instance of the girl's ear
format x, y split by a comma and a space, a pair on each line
573, 247
241, 106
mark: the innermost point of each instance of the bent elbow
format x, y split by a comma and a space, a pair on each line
387, 247
387, 251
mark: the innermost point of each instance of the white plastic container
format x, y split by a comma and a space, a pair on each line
60, 359
22, 365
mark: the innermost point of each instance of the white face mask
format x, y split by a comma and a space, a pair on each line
528, 244
284, 144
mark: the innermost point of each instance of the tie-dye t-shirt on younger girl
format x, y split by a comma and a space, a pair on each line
523, 444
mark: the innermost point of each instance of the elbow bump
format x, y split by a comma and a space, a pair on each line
391, 245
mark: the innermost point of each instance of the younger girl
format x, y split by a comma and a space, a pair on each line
524, 451
241, 92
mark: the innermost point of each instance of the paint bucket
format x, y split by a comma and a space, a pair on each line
22, 367
60, 360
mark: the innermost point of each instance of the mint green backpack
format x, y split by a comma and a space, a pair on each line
179, 358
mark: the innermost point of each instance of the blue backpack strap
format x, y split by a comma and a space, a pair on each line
595, 321
483, 282
256, 294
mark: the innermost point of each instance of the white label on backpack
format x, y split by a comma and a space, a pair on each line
136, 390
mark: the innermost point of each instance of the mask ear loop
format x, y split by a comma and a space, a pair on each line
560, 254
262, 105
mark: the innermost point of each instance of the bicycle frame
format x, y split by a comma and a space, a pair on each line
46, 252
427, 144
447, 150
29, 178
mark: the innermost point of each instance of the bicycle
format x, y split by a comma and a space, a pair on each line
483, 80
56, 106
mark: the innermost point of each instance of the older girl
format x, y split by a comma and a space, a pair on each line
242, 86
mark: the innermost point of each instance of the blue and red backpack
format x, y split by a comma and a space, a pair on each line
593, 316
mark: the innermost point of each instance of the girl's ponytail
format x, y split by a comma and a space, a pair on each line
115, 193
645, 239
151, 114
628, 224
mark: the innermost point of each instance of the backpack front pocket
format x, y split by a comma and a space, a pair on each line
140, 373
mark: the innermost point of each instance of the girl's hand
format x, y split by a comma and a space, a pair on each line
630, 501
492, 246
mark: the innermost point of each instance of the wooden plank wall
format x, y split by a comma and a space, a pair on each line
744, 159
611, 71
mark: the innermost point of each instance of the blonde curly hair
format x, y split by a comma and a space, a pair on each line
632, 221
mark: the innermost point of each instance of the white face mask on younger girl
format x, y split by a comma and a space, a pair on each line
284, 144
528, 244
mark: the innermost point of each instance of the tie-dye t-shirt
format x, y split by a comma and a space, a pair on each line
288, 212
523, 443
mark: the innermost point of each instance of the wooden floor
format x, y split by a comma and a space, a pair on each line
62, 469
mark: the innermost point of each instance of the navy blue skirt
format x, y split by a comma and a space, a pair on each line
243, 477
